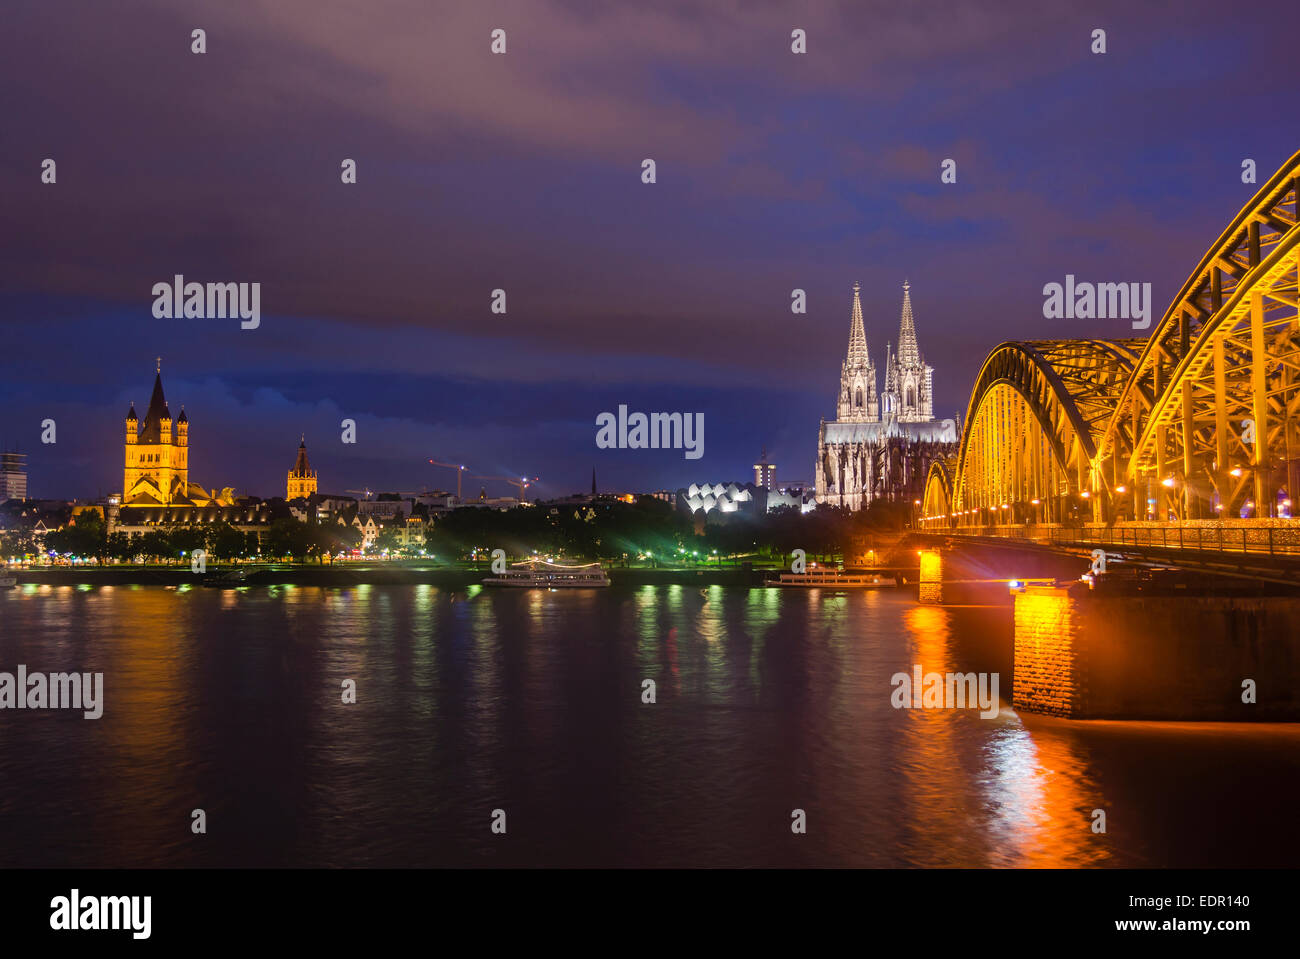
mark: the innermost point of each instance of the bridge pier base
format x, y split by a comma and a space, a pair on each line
1086, 655
931, 579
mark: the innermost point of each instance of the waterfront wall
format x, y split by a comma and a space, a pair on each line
345, 575
1085, 655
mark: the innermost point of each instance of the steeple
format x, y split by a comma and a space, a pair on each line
151, 429
302, 467
593, 481
302, 480
908, 354
857, 399
857, 356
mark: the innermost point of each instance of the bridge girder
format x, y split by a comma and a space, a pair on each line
1198, 417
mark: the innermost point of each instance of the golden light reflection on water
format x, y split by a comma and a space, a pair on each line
1028, 807
768, 692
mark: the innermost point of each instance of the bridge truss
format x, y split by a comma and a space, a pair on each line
1197, 421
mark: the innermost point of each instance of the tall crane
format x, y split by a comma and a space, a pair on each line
523, 482
460, 471
367, 493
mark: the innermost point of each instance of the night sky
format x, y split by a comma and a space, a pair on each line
523, 172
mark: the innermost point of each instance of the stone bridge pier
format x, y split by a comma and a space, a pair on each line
1084, 654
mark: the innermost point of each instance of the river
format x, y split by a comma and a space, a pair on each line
529, 702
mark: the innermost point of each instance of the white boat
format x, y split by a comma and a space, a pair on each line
541, 574
833, 579
8, 581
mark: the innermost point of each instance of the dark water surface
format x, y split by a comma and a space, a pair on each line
529, 701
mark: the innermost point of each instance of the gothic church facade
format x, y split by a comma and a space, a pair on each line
880, 445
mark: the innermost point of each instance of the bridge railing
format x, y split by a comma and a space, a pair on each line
1270, 540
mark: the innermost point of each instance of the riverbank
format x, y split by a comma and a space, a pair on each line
341, 576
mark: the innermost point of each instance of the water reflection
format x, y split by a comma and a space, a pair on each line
532, 701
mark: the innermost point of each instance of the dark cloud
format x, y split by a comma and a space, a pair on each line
476, 172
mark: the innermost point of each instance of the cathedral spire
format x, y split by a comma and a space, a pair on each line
857, 402
908, 353
857, 335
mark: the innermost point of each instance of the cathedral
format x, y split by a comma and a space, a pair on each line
880, 445
157, 471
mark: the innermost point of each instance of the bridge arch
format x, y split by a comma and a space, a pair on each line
1029, 438
937, 501
1198, 420
1218, 370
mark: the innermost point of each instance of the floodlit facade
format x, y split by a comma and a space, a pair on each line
881, 445
302, 478
157, 452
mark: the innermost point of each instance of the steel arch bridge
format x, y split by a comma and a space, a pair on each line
1196, 422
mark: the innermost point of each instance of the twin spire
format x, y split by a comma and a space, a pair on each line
908, 353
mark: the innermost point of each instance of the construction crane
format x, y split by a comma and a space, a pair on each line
368, 493
523, 482
460, 471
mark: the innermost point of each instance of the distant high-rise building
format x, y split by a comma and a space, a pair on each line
302, 478
764, 472
13, 476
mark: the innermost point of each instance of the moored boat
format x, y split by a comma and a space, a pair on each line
542, 574
833, 579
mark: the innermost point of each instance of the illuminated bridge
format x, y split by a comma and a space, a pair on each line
1185, 440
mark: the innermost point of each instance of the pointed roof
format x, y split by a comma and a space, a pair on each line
908, 353
857, 357
302, 467
151, 429
130, 414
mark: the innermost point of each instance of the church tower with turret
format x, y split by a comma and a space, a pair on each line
910, 379
881, 446
156, 471
302, 478
857, 402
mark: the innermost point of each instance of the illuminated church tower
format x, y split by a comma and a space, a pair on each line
157, 458
881, 446
157, 469
302, 478
857, 403
907, 377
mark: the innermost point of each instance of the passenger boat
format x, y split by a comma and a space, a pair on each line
541, 574
833, 579
8, 580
